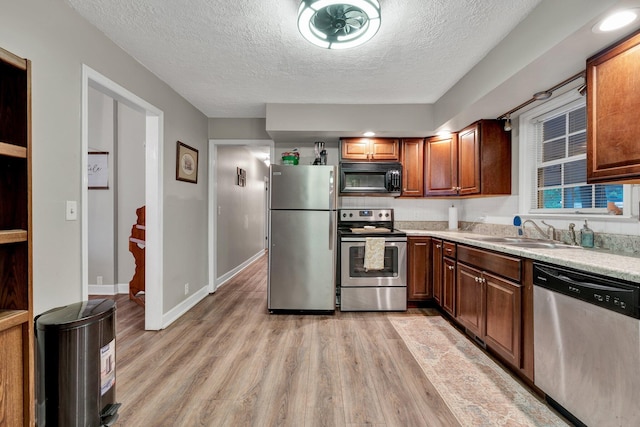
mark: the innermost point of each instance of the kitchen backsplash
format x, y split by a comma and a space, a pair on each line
619, 243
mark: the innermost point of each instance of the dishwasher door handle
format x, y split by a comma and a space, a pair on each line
556, 275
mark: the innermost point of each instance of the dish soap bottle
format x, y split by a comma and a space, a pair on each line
586, 236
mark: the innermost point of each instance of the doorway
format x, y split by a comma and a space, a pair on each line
239, 209
152, 191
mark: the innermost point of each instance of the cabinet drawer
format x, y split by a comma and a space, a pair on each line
449, 249
503, 265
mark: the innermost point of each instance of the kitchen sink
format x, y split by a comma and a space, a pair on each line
526, 242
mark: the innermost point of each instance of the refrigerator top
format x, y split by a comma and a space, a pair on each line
303, 187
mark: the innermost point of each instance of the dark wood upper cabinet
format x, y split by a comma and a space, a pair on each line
370, 149
441, 165
613, 84
475, 161
412, 158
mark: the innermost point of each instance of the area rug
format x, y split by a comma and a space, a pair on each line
474, 387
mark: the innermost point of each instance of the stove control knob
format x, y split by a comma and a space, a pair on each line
350, 215
344, 215
387, 215
380, 214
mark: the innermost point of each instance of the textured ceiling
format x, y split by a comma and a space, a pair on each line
231, 57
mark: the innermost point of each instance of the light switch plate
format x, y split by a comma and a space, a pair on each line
72, 210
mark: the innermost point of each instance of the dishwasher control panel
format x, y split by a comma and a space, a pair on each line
615, 295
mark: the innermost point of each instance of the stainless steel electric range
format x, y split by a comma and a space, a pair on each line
361, 289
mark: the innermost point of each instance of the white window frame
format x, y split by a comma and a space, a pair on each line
528, 168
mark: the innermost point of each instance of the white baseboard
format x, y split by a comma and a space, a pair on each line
222, 280
186, 305
120, 288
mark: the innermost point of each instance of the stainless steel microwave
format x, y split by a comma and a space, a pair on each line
370, 178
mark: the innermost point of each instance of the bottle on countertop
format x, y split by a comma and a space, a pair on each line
586, 236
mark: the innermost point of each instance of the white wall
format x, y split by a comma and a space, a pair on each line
101, 201
58, 41
241, 214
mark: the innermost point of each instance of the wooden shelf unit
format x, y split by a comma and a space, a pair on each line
17, 401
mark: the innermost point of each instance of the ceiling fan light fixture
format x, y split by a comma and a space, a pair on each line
338, 24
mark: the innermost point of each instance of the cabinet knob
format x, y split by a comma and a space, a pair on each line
450, 267
477, 279
438, 246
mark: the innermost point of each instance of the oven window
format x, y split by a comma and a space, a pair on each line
364, 181
356, 263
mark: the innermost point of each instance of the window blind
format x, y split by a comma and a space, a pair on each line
560, 155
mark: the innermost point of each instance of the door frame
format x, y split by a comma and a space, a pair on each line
153, 189
213, 196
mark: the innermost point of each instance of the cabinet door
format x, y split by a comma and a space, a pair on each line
384, 149
12, 373
436, 268
503, 313
449, 286
355, 148
419, 287
469, 161
613, 82
413, 167
441, 174
469, 299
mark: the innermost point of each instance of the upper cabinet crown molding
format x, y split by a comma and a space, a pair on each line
613, 84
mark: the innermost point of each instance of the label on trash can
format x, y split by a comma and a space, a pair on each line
107, 367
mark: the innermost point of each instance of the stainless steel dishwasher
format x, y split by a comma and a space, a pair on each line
587, 345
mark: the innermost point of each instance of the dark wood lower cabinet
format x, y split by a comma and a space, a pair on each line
469, 299
503, 314
449, 286
419, 285
436, 269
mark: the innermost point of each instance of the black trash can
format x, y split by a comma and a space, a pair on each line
75, 365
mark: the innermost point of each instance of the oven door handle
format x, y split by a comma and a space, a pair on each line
362, 239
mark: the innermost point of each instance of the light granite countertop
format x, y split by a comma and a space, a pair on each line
621, 266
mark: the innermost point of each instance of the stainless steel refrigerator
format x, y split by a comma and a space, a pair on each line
302, 238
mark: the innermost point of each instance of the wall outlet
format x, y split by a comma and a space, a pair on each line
99, 280
186, 288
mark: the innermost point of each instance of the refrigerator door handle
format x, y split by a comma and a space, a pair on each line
331, 215
332, 197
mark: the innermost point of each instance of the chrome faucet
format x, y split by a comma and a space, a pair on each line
572, 231
551, 231
537, 227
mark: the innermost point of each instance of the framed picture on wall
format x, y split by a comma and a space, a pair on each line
98, 170
186, 163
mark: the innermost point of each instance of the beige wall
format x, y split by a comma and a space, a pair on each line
249, 129
241, 210
58, 41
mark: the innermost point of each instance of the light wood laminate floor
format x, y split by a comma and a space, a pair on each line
228, 362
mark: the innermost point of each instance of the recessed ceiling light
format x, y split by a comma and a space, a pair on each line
616, 21
368, 134
338, 24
